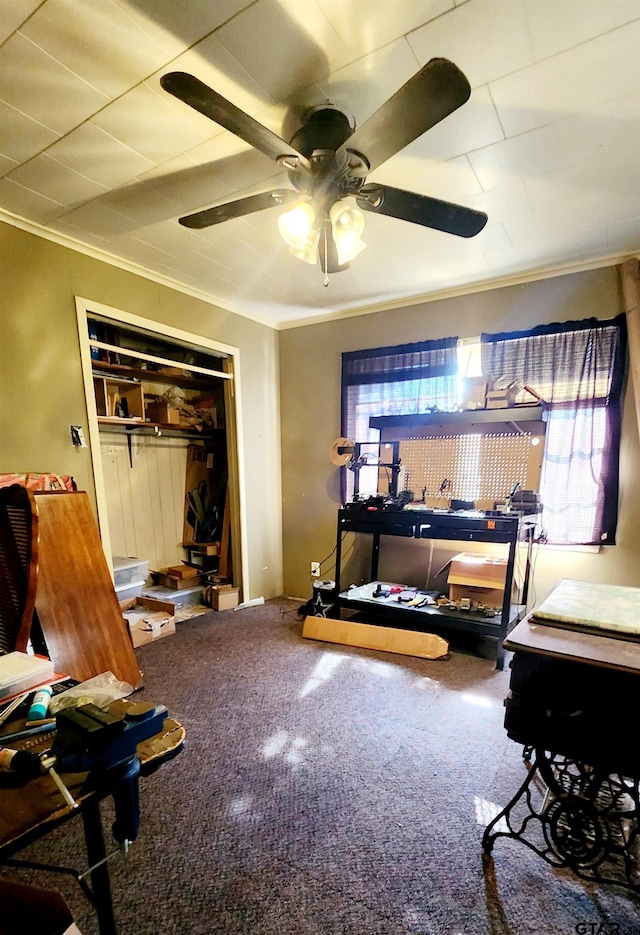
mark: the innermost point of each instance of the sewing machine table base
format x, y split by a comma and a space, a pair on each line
575, 817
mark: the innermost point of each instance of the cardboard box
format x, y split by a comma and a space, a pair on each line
162, 413
149, 619
479, 577
478, 570
182, 571
172, 581
474, 392
502, 399
224, 597
369, 636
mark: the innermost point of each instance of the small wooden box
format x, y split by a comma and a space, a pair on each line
162, 413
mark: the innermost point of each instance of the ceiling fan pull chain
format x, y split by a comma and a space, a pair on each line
325, 281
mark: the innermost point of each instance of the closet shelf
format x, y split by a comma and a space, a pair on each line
105, 369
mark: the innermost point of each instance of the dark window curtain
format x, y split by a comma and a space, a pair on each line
578, 369
402, 380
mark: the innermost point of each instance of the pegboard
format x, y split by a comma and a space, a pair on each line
476, 467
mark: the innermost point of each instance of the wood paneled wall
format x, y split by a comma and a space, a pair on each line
145, 499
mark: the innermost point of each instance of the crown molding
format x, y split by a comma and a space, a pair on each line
517, 279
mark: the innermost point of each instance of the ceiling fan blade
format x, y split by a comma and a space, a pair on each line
432, 94
421, 209
206, 101
240, 207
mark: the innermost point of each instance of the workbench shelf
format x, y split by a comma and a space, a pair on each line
443, 525
456, 420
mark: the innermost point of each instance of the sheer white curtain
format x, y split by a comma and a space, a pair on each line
577, 368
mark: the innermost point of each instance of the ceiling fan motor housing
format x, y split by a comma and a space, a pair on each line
323, 132
325, 128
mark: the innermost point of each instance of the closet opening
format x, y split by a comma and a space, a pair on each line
163, 430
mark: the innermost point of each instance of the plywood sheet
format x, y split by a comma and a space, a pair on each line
76, 601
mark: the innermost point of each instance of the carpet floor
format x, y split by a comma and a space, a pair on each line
325, 790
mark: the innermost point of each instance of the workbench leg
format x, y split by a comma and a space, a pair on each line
100, 882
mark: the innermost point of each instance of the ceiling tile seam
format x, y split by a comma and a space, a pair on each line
34, 120
62, 136
188, 48
535, 60
109, 101
452, 9
498, 118
353, 61
529, 130
65, 67
231, 193
335, 32
210, 259
24, 21
576, 45
68, 169
33, 192
506, 234
360, 58
68, 209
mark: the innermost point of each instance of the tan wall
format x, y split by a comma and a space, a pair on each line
310, 400
41, 380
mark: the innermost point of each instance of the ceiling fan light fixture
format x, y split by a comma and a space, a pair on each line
347, 224
296, 225
307, 251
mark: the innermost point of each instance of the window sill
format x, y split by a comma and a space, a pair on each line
571, 548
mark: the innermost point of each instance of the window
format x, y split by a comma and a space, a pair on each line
404, 380
576, 367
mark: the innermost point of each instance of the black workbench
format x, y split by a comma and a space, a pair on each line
455, 526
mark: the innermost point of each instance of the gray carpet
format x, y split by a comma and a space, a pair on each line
329, 791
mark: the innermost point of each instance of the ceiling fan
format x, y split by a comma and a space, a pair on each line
328, 161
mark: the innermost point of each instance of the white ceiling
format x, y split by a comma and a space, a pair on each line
93, 151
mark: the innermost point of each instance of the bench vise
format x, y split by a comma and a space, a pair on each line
104, 744
95, 740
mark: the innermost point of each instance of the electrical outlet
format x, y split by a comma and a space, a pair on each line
315, 569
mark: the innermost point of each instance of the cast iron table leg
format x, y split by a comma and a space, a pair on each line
96, 853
